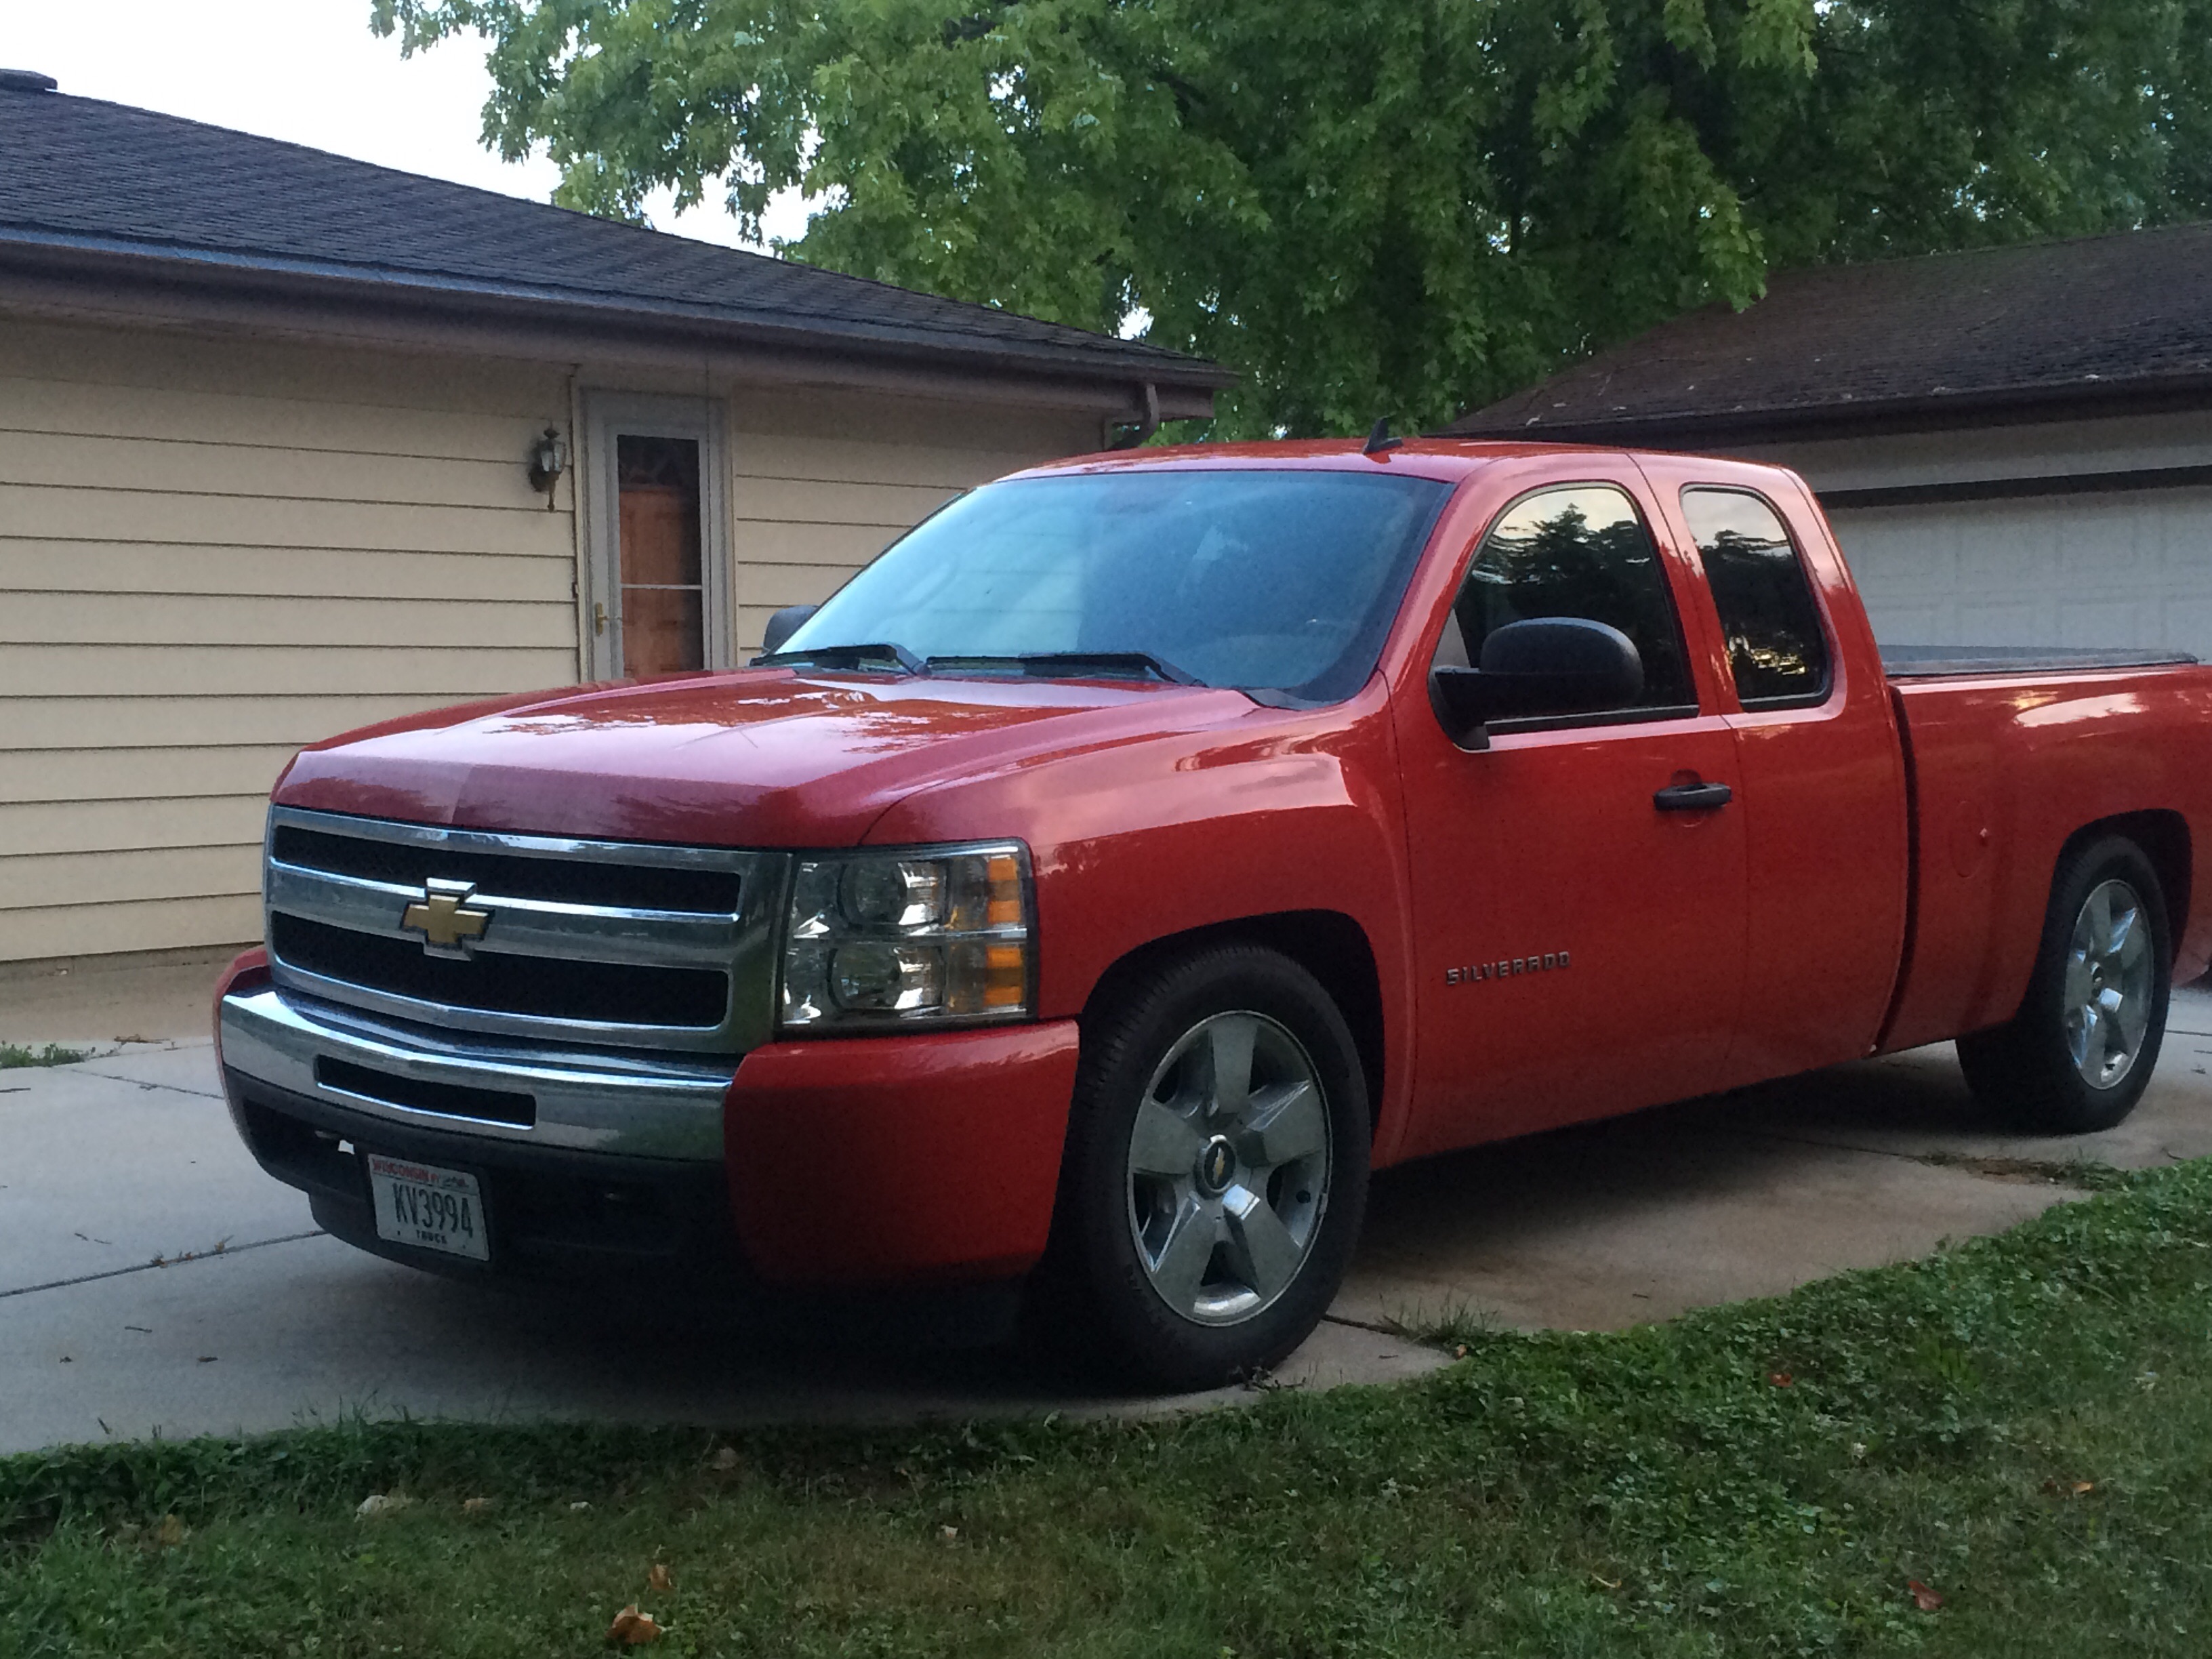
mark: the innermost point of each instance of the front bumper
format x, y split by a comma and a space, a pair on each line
861, 1162
415, 1077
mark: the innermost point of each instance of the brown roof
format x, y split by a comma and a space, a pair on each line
2044, 328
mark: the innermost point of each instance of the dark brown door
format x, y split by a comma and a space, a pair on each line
664, 595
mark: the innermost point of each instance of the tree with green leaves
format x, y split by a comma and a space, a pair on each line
1403, 209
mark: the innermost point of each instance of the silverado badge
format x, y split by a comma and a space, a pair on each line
440, 917
1506, 967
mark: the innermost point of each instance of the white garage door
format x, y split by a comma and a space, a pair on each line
2132, 568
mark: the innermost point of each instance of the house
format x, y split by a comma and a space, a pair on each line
290, 443
2014, 444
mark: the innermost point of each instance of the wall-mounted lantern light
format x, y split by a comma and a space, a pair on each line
549, 460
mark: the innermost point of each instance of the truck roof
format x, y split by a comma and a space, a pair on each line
1449, 459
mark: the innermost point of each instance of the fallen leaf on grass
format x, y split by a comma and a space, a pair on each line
580, 1506
475, 1505
1780, 1379
171, 1533
1923, 1597
380, 1502
659, 1578
2081, 1487
632, 1628
1609, 1583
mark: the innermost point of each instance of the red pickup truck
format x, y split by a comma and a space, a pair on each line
1085, 900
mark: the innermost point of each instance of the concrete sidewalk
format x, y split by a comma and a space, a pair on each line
153, 1280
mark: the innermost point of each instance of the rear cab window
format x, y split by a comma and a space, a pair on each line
1582, 550
1778, 649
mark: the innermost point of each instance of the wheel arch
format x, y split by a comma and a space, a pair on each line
1328, 944
2163, 835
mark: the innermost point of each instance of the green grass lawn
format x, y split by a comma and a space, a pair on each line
2022, 1424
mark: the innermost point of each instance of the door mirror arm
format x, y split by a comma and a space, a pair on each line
1461, 706
782, 625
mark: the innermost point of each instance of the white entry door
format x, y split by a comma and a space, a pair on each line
657, 560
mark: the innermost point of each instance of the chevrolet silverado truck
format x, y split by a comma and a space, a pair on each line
1083, 901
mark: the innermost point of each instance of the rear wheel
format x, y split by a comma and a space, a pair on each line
2080, 1053
1216, 1173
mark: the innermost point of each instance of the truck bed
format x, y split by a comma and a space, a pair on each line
2009, 752
1924, 662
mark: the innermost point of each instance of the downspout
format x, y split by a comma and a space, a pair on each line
1143, 429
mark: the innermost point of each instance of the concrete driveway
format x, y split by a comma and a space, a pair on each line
153, 1280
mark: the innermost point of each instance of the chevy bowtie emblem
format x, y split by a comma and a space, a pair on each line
441, 916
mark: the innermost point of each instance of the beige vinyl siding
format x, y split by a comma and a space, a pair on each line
213, 552
840, 480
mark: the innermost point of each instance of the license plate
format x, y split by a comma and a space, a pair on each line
430, 1208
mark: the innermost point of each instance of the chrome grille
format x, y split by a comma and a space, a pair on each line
630, 944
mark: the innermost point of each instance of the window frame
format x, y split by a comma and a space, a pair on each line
1604, 717
1829, 680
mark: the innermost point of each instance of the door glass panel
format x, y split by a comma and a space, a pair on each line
1775, 648
1580, 551
663, 588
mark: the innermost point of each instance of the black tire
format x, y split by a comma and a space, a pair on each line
2027, 1072
1098, 1301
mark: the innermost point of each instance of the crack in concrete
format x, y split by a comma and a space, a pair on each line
166, 1261
1365, 1325
141, 1083
1963, 1161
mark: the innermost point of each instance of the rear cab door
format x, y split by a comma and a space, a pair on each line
1822, 768
1580, 943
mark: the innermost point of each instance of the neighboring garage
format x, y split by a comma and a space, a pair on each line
2014, 445
290, 443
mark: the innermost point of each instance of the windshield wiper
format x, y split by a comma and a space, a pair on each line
862, 658
1072, 665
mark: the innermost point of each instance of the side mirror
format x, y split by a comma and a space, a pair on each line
1551, 666
782, 625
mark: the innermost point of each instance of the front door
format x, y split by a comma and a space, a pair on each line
658, 604
1580, 934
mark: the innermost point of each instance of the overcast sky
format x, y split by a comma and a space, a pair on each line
306, 71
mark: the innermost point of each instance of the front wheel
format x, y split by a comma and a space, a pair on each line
2080, 1053
1216, 1173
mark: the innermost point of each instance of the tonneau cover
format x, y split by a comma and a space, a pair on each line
1906, 662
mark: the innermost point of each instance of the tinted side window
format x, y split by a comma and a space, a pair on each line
1776, 647
1580, 551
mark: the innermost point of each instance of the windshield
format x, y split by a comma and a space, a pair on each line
1275, 581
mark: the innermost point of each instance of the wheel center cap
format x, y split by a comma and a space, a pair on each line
1217, 1165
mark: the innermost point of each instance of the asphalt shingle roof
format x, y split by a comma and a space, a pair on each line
80, 172
2050, 321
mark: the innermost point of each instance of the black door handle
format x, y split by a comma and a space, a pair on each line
1693, 798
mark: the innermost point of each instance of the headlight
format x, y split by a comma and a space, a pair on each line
929, 935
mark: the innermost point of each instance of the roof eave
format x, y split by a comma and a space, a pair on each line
1931, 412
172, 271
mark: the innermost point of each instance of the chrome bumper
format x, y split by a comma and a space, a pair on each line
593, 1102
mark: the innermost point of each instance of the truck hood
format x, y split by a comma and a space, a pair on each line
766, 757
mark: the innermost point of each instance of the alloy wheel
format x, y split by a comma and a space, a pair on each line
2109, 980
1229, 1168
